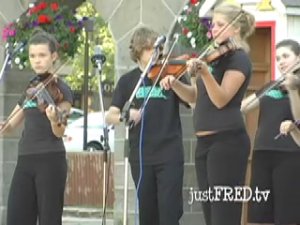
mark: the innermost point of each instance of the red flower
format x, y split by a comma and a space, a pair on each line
194, 55
185, 30
42, 19
194, 2
72, 29
54, 6
42, 6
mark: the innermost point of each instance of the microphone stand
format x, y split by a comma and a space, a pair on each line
6, 60
125, 117
105, 138
9, 55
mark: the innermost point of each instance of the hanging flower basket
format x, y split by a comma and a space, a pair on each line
195, 31
56, 19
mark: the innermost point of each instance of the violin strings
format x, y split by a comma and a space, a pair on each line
160, 73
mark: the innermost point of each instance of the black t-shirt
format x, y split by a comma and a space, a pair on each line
274, 108
207, 117
162, 135
37, 136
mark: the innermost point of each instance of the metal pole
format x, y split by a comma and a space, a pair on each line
88, 25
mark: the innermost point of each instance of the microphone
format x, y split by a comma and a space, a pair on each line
160, 41
98, 59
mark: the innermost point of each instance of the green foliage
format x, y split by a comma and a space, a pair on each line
102, 35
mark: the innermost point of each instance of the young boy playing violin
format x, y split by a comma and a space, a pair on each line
156, 148
276, 160
38, 183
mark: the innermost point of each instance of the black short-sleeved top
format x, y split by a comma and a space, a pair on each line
37, 136
274, 108
162, 135
207, 117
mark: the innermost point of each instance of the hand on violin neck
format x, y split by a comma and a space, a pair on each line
286, 127
51, 113
167, 82
135, 116
197, 68
292, 82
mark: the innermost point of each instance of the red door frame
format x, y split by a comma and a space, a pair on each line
272, 26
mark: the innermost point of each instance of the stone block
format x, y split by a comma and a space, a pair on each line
119, 176
189, 177
126, 17
106, 10
187, 126
192, 219
187, 150
157, 15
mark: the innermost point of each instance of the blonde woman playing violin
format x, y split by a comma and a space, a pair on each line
38, 183
276, 159
222, 141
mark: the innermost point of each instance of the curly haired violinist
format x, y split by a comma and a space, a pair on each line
156, 148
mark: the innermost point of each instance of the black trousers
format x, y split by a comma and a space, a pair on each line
221, 160
160, 193
37, 190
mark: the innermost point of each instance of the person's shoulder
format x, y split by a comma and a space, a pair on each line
130, 75
240, 56
240, 53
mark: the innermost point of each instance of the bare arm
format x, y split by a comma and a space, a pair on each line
58, 129
114, 114
249, 103
220, 95
292, 83
187, 93
14, 120
296, 136
295, 103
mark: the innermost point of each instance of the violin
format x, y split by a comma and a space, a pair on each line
44, 89
177, 67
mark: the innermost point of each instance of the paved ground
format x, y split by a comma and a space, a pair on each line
85, 216
85, 221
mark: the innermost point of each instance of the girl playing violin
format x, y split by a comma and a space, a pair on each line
276, 161
222, 141
38, 183
155, 140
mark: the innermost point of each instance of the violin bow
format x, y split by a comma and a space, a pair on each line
39, 89
276, 83
207, 47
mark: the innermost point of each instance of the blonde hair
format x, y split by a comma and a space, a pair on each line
143, 38
245, 21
